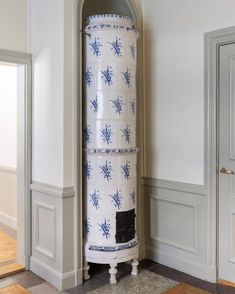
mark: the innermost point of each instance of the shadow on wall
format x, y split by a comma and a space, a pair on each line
92, 7
150, 97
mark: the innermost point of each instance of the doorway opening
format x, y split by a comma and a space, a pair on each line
8, 170
15, 161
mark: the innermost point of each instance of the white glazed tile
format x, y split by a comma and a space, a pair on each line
106, 134
94, 47
126, 134
131, 106
106, 76
125, 77
131, 50
116, 105
90, 77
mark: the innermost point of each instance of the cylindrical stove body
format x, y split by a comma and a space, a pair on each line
109, 133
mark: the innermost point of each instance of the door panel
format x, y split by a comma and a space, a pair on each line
227, 162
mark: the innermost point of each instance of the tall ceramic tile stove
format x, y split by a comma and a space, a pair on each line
109, 133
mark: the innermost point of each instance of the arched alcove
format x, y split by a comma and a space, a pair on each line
92, 7
83, 9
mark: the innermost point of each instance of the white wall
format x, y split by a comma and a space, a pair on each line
47, 50
174, 62
52, 189
8, 115
8, 144
14, 25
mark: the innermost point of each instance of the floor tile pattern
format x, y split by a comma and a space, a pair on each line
100, 278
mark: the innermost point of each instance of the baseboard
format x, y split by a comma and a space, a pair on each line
8, 220
194, 269
60, 281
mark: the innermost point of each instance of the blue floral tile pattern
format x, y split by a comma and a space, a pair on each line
107, 75
116, 47
105, 228
88, 77
126, 134
125, 169
106, 170
118, 104
117, 199
110, 153
95, 47
133, 196
127, 77
87, 134
95, 198
106, 134
132, 106
87, 226
132, 50
94, 104
87, 169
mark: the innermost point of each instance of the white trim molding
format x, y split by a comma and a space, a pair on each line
213, 41
53, 235
8, 220
24, 149
58, 280
8, 169
186, 207
59, 192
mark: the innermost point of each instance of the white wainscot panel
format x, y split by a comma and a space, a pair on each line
45, 228
174, 223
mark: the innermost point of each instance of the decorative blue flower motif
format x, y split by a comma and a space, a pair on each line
133, 196
132, 50
106, 170
117, 199
127, 77
95, 198
94, 104
106, 134
87, 169
107, 75
117, 104
132, 106
105, 228
116, 47
87, 134
95, 47
88, 76
127, 134
87, 226
126, 170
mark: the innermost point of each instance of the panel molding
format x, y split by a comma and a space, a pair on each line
37, 247
61, 281
8, 220
66, 192
175, 186
8, 169
196, 226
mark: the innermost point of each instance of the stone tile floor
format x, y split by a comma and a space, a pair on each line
100, 277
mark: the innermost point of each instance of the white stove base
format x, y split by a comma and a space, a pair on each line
111, 258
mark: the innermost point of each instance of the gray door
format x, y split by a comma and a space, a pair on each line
226, 126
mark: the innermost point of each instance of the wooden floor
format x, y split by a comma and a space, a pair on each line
8, 264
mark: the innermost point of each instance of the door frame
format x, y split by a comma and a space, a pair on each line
24, 151
212, 42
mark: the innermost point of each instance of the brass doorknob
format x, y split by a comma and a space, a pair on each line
226, 171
